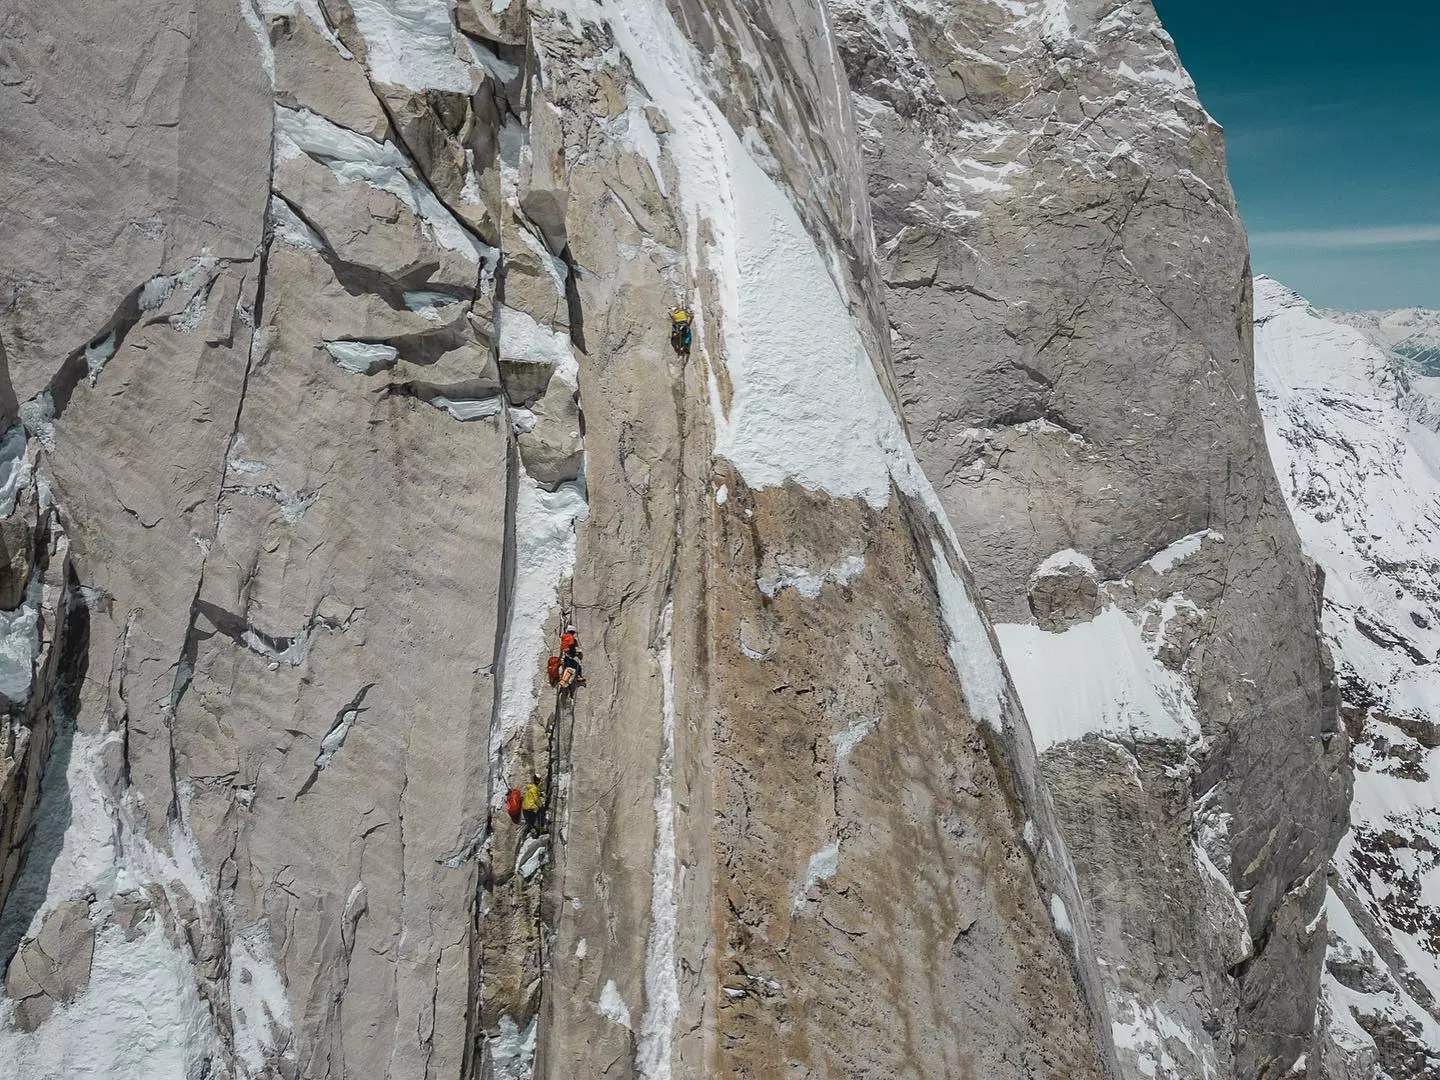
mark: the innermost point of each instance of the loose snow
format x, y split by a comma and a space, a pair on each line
662, 987
1096, 676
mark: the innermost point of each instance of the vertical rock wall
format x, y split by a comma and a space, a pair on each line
1068, 292
337, 343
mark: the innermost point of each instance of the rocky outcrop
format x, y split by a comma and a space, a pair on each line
1067, 287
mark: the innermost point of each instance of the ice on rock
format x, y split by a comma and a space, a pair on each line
354, 158
14, 467
362, 357
19, 645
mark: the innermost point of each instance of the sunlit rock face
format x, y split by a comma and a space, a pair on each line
338, 381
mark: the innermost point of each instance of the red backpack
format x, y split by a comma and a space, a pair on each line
512, 802
552, 669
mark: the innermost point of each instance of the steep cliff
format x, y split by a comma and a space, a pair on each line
337, 381
1068, 290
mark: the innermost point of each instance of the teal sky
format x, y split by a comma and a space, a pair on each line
1332, 118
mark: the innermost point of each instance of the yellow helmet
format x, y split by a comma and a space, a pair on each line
680, 315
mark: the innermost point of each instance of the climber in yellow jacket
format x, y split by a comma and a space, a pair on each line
532, 804
680, 331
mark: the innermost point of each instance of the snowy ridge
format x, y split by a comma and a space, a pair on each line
1362, 478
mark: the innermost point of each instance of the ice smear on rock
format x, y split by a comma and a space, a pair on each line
512, 1051
20, 644
808, 583
14, 467
982, 679
354, 158
662, 986
362, 357
823, 866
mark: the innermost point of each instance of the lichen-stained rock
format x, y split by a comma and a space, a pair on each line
1067, 285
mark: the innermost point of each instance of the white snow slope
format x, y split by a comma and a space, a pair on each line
1361, 472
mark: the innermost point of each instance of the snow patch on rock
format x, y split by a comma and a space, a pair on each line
662, 986
411, 43
612, 1006
544, 558
1096, 676
823, 866
809, 583
982, 679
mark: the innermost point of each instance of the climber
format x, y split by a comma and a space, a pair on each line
532, 804
570, 656
680, 331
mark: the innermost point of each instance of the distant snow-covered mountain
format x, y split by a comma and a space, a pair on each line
1414, 333
1352, 428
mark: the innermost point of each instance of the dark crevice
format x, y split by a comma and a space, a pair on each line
572, 301
348, 714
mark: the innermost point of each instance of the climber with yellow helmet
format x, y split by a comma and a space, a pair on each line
680, 331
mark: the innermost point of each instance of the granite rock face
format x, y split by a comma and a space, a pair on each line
1067, 286
338, 381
